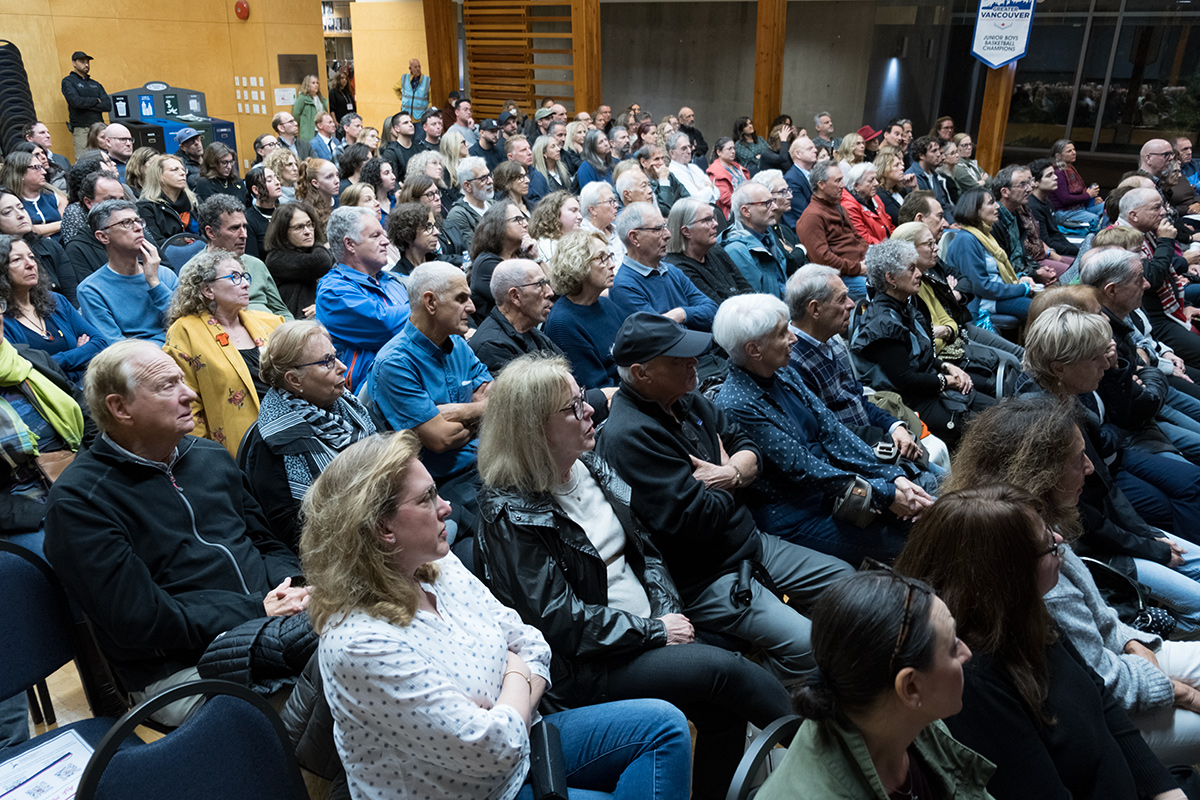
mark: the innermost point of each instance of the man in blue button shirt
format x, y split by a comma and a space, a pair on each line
360, 305
428, 379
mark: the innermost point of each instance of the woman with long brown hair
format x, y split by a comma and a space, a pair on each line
1031, 705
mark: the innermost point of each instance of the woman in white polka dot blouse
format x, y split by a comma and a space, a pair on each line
433, 684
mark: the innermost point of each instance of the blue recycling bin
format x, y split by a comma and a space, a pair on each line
170, 127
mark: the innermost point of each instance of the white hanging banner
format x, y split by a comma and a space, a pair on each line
1002, 31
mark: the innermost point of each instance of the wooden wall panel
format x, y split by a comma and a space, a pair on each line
386, 37
199, 45
528, 49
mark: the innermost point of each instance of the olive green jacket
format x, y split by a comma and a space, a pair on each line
828, 760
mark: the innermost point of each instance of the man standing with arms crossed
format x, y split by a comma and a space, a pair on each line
86, 99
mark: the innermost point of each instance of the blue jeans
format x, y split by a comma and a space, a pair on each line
1014, 306
1176, 587
14, 712
630, 750
812, 525
1080, 217
1165, 491
856, 287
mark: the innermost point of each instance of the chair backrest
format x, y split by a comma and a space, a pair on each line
744, 778
36, 624
180, 248
235, 745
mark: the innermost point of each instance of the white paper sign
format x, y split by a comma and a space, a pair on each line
48, 772
285, 97
1002, 31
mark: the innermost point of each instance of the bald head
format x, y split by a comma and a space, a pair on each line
120, 142
1155, 156
803, 152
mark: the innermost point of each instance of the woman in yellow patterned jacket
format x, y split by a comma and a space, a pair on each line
216, 341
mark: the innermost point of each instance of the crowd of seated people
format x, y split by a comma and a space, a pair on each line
584, 405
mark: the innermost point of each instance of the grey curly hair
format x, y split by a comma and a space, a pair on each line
196, 274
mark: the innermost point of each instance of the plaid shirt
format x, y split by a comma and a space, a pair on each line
826, 371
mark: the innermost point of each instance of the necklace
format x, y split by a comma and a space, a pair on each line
39, 325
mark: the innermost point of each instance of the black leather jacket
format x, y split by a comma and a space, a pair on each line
538, 561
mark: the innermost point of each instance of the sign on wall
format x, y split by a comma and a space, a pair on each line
1002, 31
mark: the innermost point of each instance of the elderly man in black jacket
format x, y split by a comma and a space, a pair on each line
686, 462
155, 535
523, 297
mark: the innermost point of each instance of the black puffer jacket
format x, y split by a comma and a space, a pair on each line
309, 724
540, 562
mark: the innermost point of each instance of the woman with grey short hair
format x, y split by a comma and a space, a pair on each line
892, 345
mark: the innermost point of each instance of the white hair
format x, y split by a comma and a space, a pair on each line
632, 217
746, 318
857, 173
508, 275
590, 195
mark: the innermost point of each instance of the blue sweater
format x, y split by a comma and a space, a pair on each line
123, 307
632, 292
586, 335
65, 325
588, 174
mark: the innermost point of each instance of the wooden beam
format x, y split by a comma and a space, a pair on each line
585, 54
993, 122
768, 63
441, 40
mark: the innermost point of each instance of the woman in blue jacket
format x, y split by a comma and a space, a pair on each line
981, 264
41, 318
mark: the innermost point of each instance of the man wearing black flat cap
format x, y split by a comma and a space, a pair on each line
86, 99
685, 463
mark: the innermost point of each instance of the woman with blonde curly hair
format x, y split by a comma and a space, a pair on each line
432, 683
286, 167
555, 216
851, 151
215, 339
584, 322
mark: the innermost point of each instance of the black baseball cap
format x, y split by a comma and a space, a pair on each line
505, 117
645, 336
489, 125
78, 54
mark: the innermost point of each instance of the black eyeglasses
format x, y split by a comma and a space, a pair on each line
653, 228
328, 362
906, 621
541, 284
518, 220
127, 224
577, 403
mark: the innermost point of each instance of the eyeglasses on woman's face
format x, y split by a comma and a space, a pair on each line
577, 405
236, 278
302, 226
328, 362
